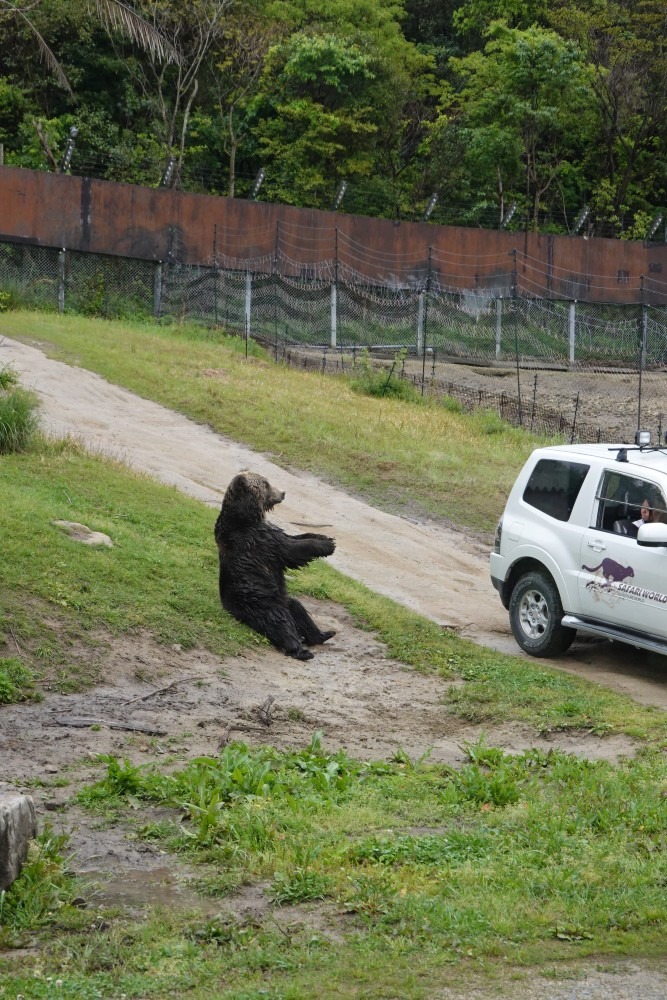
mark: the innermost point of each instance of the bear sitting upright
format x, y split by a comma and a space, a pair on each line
253, 558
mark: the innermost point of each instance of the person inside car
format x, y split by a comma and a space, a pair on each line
644, 517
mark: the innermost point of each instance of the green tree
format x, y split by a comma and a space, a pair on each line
624, 42
313, 128
191, 32
90, 88
521, 105
236, 74
113, 14
473, 18
345, 95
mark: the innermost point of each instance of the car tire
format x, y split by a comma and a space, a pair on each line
536, 612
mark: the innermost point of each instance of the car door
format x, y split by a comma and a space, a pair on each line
620, 582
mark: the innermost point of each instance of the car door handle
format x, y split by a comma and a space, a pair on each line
597, 544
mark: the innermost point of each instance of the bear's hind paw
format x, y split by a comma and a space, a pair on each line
302, 654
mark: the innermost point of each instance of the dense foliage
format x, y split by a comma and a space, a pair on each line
551, 106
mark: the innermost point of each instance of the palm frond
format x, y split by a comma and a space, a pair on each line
45, 52
117, 16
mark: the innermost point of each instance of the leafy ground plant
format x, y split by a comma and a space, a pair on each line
42, 890
18, 419
374, 382
17, 682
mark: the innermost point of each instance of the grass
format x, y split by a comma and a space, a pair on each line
161, 577
420, 875
18, 419
16, 681
425, 458
43, 888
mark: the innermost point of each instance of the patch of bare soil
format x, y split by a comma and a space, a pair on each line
157, 702
359, 698
612, 981
174, 703
606, 401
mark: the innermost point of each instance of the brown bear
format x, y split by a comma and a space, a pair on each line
253, 558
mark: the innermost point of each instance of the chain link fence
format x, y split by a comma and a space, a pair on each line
335, 313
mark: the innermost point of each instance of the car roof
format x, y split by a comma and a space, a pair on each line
645, 460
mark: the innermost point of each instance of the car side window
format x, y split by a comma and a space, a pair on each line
625, 503
554, 486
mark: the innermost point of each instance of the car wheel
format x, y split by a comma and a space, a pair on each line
535, 616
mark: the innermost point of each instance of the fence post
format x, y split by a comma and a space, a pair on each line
420, 324
215, 273
61, 279
334, 312
157, 290
248, 303
572, 329
424, 310
274, 285
515, 312
499, 324
643, 327
334, 296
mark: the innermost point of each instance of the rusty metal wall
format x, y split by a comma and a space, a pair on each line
79, 213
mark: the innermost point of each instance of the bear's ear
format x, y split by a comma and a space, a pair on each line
237, 487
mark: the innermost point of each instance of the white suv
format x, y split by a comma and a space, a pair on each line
582, 547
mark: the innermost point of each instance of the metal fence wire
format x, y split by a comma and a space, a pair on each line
30, 275
336, 312
112, 287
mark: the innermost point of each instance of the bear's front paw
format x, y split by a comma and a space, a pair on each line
302, 654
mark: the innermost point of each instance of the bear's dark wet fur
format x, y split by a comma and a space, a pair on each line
253, 558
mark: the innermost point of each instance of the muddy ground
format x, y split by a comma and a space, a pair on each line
351, 691
603, 401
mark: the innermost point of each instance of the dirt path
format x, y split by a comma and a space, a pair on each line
437, 572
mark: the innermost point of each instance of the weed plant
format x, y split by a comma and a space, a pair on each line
18, 420
377, 382
17, 682
209, 785
41, 891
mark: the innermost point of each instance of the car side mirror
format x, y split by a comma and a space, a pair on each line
652, 535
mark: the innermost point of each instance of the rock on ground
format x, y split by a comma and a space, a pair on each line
18, 825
